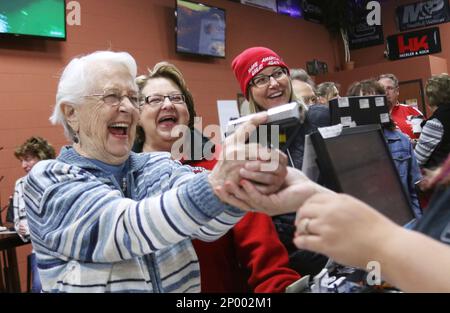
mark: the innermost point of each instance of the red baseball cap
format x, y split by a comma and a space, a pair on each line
252, 61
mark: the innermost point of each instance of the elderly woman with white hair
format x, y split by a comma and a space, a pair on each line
104, 219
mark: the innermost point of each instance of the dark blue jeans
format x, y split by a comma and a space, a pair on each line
36, 286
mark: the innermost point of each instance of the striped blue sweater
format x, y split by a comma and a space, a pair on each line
90, 237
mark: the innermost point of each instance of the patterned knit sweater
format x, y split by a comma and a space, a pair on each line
91, 235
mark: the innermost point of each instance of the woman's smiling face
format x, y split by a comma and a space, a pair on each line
106, 132
276, 92
158, 119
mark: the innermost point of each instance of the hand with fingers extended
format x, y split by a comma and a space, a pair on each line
297, 188
236, 152
343, 228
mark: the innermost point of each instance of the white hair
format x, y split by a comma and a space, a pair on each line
79, 75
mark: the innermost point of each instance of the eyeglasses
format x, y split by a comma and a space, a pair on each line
114, 98
390, 88
157, 100
263, 80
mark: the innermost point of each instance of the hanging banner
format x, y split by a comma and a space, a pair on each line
412, 44
362, 35
421, 14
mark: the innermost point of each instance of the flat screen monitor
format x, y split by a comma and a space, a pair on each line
358, 163
36, 18
200, 29
357, 111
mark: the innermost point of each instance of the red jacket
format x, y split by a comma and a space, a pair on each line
402, 114
248, 258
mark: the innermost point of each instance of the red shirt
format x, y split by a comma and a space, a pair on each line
402, 114
248, 258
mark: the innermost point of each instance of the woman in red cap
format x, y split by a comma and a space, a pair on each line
249, 257
264, 80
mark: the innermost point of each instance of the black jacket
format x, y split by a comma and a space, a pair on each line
304, 262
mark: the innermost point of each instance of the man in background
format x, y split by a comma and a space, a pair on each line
303, 86
327, 91
402, 114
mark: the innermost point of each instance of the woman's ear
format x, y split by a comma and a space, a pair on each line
71, 116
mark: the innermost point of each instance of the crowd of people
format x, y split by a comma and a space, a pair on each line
122, 209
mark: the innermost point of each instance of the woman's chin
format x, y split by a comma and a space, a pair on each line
166, 135
119, 153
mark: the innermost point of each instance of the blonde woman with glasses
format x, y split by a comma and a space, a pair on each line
265, 82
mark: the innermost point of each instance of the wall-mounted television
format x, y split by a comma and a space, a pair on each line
200, 29
36, 18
